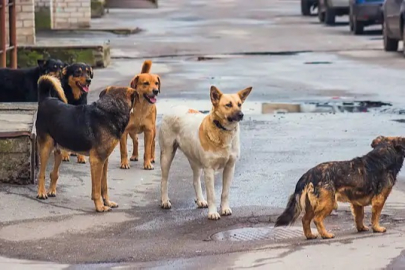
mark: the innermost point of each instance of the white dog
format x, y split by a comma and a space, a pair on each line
210, 142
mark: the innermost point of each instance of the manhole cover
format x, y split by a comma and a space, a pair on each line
252, 234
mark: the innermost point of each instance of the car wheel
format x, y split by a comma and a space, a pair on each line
305, 8
330, 16
321, 16
358, 27
390, 44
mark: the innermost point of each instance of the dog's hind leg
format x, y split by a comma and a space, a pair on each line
54, 175
167, 153
228, 173
135, 154
324, 206
358, 214
45, 146
124, 151
306, 220
104, 188
377, 204
148, 138
152, 152
209, 185
200, 201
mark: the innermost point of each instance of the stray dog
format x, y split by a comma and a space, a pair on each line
76, 80
143, 118
361, 181
92, 130
20, 85
210, 142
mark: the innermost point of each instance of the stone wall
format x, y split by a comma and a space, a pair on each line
43, 15
25, 22
71, 14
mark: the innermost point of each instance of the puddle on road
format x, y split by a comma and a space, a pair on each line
165, 106
255, 234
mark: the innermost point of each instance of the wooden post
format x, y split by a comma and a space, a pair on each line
13, 34
3, 47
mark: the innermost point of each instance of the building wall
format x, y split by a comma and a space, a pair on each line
25, 22
71, 14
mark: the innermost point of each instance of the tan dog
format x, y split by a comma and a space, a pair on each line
143, 118
210, 142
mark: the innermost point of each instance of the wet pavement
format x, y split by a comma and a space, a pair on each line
232, 44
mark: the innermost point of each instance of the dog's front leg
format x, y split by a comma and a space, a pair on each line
97, 166
209, 184
104, 188
123, 151
147, 165
226, 183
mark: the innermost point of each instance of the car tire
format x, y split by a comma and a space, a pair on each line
390, 44
358, 27
330, 16
305, 8
321, 16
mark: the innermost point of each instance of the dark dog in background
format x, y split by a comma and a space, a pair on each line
76, 80
20, 85
361, 181
92, 130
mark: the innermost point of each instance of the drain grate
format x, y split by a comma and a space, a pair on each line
254, 234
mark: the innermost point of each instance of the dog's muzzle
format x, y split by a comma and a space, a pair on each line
236, 117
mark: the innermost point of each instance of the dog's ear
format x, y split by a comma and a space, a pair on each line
215, 95
102, 93
399, 144
134, 82
159, 83
243, 94
377, 141
65, 65
41, 63
64, 70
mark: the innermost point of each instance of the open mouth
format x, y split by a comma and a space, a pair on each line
150, 99
85, 88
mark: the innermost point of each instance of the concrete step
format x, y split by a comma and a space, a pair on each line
18, 158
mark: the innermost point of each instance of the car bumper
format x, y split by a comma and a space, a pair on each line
339, 3
368, 12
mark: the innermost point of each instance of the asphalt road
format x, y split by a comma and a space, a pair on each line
286, 58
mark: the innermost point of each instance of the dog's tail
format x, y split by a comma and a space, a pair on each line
296, 203
146, 66
48, 85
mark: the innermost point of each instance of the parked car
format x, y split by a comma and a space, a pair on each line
364, 13
329, 9
393, 24
307, 5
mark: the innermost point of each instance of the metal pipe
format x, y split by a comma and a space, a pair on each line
13, 33
3, 47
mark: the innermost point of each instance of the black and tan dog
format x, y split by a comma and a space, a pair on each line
76, 80
361, 181
143, 118
20, 85
92, 130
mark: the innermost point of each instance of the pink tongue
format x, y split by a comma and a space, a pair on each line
86, 88
153, 100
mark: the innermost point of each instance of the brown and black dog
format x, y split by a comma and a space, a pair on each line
76, 80
92, 130
361, 181
143, 118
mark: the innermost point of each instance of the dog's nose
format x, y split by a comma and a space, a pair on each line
240, 115
88, 80
155, 91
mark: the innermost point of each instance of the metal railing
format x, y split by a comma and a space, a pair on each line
12, 46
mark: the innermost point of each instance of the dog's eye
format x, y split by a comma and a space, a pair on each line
146, 83
229, 105
239, 105
156, 83
77, 73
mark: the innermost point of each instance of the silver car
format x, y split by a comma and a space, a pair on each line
329, 9
393, 25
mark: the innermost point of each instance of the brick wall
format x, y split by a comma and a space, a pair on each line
43, 14
71, 14
41, 4
25, 22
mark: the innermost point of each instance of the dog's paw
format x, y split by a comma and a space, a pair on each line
124, 165
311, 236
73, 154
81, 159
148, 166
103, 209
66, 158
152, 160
110, 204
201, 203
134, 158
328, 236
226, 211
166, 204
42, 195
214, 216
379, 229
51, 193
363, 229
